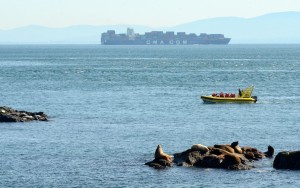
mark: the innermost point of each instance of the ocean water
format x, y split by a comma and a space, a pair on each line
110, 106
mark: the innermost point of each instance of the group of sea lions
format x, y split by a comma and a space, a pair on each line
226, 156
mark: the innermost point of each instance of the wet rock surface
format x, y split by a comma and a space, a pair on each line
8, 114
287, 160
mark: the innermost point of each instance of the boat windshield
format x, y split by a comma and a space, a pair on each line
246, 93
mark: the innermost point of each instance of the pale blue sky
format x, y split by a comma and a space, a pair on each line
62, 13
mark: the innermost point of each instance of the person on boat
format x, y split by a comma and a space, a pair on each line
240, 92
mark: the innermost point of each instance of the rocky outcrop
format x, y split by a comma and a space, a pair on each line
226, 156
8, 114
161, 159
287, 160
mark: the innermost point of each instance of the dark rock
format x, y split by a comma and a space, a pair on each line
287, 160
209, 161
181, 157
189, 156
194, 157
159, 163
9, 118
8, 114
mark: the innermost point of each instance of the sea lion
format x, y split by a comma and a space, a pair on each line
159, 154
257, 154
161, 160
236, 147
222, 153
270, 152
218, 151
210, 148
248, 148
230, 160
249, 155
210, 161
225, 147
199, 147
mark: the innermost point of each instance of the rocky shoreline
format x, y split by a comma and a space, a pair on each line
224, 156
8, 114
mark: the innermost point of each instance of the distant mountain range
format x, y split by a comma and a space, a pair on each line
272, 28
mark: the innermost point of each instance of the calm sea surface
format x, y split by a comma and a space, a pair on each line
110, 106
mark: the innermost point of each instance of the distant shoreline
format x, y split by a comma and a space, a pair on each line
266, 29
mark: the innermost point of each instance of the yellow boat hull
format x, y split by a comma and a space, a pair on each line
211, 99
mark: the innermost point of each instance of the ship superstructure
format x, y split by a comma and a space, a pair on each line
160, 38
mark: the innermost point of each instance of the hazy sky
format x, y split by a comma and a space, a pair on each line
62, 13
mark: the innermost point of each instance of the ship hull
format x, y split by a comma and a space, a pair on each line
166, 42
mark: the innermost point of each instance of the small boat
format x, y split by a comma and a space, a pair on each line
244, 96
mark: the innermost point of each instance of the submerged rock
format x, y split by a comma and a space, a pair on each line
8, 114
287, 160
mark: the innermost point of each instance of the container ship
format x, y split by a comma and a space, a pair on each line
160, 38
